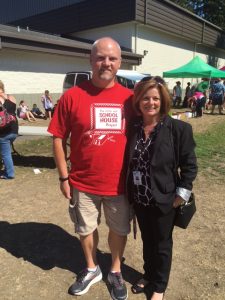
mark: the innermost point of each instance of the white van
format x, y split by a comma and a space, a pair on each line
127, 78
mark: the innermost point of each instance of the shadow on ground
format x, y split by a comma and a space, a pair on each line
46, 246
34, 161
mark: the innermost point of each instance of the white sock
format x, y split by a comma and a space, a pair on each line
92, 269
115, 271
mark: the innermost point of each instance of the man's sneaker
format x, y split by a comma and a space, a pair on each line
84, 280
119, 290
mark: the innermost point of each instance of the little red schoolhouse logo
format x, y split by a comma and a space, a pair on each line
107, 119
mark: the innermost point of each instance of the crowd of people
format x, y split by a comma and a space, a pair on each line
9, 114
204, 95
23, 111
128, 156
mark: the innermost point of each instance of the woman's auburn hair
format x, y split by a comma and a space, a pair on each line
141, 89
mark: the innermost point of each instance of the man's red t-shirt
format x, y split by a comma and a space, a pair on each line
96, 120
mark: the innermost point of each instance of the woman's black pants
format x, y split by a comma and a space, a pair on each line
156, 232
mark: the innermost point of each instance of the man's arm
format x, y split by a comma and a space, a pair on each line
60, 154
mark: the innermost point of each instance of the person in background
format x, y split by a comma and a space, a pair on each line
7, 134
25, 113
197, 103
177, 94
94, 115
203, 86
46, 100
161, 168
224, 97
217, 95
54, 107
37, 112
187, 95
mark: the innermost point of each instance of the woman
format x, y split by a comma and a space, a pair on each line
7, 134
46, 100
162, 167
25, 113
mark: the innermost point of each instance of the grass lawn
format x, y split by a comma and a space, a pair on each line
210, 152
210, 148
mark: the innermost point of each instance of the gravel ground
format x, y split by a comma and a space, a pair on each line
40, 254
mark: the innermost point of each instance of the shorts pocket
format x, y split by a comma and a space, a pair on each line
72, 213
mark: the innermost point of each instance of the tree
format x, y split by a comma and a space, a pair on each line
210, 10
214, 11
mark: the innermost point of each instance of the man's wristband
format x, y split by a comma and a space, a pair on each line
62, 179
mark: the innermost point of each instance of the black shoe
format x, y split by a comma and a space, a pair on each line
84, 281
139, 286
6, 177
119, 290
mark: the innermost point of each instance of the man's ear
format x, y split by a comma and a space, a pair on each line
120, 63
90, 59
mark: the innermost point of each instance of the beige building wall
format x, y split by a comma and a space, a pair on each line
27, 74
121, 33
162, 52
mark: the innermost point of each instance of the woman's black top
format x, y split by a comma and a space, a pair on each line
13, 127
140, 162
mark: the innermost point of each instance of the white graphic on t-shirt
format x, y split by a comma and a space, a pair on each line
99, 140
107, 119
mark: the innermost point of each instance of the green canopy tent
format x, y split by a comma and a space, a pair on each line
194, 69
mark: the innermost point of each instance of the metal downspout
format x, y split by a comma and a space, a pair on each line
135, 41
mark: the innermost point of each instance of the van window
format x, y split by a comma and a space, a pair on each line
81, 77
126, 82
127, 78
69, 81
130, 84
121, 80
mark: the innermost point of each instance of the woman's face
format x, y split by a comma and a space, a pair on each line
150, 104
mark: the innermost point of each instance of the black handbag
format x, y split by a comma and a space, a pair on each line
185, 212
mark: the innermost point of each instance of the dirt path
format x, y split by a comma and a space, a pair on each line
40, 255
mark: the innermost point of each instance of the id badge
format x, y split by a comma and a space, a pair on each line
137, 177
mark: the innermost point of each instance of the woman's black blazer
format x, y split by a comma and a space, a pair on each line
173, 162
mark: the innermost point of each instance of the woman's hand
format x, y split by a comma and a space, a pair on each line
178, 201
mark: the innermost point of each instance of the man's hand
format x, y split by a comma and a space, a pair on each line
66, 189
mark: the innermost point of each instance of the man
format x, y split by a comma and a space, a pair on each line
177, 93
217, 95
37, 112
203, 86
94, 114
188, 94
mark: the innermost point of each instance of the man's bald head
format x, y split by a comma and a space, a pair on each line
107, 42
105, 61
